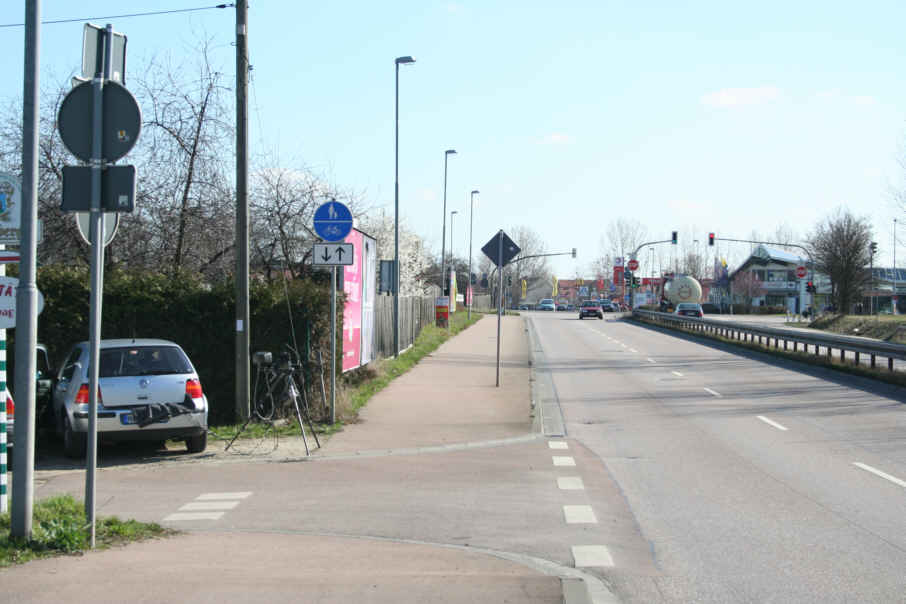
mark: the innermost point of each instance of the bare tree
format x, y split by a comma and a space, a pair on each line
839, 246
415, 258
746, 286
623, 236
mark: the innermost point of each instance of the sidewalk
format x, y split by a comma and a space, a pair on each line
448, 398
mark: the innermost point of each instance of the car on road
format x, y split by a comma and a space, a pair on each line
546, 304
525, 307
689, 309
562, 306
147, 390
590, 308
42, 392
607, 306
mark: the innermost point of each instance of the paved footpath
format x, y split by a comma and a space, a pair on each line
442, 493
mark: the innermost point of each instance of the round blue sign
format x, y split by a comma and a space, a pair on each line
333, 221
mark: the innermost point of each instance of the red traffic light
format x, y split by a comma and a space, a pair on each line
710, 238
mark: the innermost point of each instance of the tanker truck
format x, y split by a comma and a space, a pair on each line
682, 288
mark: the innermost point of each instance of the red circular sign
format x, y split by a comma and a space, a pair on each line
633, 264
801, 272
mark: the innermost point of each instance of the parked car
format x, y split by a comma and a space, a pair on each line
525, 307
710, 308
562, 306
43, 384
607, 306
147, 390
689, 309
590, 308
546, 304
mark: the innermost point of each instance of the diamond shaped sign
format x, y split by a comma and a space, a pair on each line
492, 249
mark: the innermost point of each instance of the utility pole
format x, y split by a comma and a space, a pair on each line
242, 213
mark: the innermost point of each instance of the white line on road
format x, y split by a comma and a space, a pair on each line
633, 350
570, 483
197, 506
557, 444
579, 514
878, 472
677, 373
563, 461
591, 555
218, 496
194, 516
712, 392
771, 422
650, 360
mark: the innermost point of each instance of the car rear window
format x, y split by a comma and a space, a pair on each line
589, 303
547, 301
143, 360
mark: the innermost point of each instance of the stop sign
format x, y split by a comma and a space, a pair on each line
633, 264
801, 272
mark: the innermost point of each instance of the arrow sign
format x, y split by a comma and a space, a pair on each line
332, 254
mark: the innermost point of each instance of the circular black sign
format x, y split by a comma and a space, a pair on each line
121, 121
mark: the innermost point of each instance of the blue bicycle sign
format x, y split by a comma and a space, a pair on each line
333, 221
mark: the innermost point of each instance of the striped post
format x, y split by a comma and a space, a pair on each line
3, 499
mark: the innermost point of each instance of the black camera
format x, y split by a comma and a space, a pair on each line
262, 358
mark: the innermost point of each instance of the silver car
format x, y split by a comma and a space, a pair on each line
148, 391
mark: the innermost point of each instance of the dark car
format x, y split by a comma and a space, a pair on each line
690, 309
562, 306
590, 308
710, 309
607, 306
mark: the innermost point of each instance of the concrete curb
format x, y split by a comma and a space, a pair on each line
545, 401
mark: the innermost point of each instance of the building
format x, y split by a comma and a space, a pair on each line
776, 270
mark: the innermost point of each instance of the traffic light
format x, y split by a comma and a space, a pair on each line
711, 239
810, 287
674, 237
509, 280
574, 252
873, 247
473, 279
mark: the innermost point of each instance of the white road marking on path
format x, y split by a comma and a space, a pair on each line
650, 360
570, 483
677, 373
878, 472
557, 444
563, 461
197, 506
771, 422
585, 556
194, 516
633, 350
712, 392
579, 514
219, 496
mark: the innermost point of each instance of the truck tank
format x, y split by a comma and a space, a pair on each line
683, 289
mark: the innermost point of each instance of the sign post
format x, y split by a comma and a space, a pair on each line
333, 221
500, 249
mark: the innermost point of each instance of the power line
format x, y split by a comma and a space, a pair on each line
162, 12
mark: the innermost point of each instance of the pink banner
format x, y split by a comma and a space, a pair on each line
352, 311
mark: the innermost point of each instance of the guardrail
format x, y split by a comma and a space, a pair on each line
747, 332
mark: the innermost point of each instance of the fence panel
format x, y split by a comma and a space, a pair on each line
415, 314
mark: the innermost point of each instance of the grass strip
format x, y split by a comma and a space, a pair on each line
59, 527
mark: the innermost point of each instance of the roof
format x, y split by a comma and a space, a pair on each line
770, 253
125, 342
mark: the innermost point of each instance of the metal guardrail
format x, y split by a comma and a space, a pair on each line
747, 332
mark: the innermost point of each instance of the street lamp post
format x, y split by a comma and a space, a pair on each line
894, 297
469, 291
443, 237
396, 209
452, 255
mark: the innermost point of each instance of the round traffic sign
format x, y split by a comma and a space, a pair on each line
333, 221
633, 264
122, 121
801, 272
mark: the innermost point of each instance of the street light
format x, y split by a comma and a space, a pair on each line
894, 297
469, 290
396, 209
452, 256
443, 237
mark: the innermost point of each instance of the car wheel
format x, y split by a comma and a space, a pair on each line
197, 444
73, 442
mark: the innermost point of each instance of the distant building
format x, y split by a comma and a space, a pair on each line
776, 270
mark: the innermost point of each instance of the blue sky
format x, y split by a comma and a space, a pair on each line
710, 116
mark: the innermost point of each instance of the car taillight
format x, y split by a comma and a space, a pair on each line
10, 406
82, 395
193, 388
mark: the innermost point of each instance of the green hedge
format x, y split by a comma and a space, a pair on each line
198, 316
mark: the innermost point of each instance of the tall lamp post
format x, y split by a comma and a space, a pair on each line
452, 256
443, 237
396, 209
469, 291
894, 298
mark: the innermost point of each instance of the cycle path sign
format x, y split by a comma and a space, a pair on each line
333, 221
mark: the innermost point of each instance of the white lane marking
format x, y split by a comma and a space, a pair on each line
557, 444
563, 461
712, 392
579, 514
570, 483
677, 373
194, 516
771, 422
591, 555
633, 350
218, 496
197, 506
650, 360
878, 472
622, 344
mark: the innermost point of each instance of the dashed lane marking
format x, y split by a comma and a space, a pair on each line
579, 514
557, 444
878, 472
677, 373
633, 350
221, 496
650, 360
570, 483
197, 506
712, 392
771, 422
563, 460
194, 516
585, 556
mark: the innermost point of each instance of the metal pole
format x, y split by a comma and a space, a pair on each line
333, 345
470, 290
242, 361
894, 297
499, 298
4, 500
453, 276
443, 237
396, 219
27, 292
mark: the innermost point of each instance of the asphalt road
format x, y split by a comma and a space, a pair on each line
750, 481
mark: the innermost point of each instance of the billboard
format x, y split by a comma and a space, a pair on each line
359, 280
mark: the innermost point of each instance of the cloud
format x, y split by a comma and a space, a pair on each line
740, 97
557, 138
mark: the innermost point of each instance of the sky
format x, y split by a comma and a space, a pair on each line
696, 116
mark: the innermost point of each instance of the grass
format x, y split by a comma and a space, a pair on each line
890, 328
59, 527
